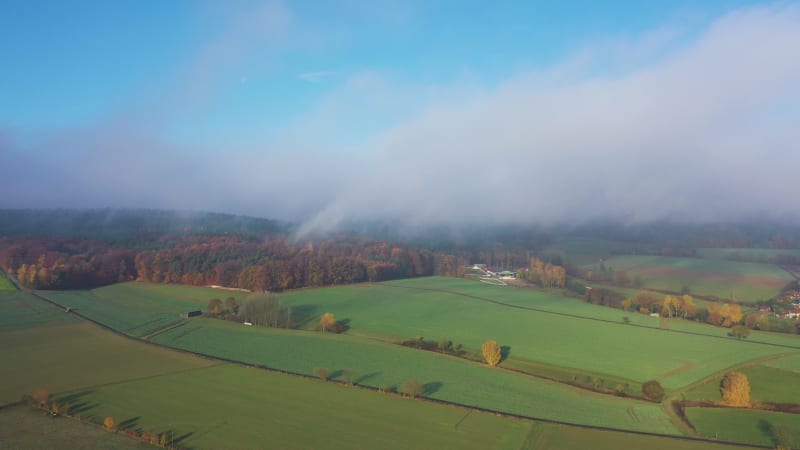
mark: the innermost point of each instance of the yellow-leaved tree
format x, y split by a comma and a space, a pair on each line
328, 320
736, 390
109, 423
491, 353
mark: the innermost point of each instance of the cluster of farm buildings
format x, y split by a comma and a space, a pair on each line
786, 306
497, 272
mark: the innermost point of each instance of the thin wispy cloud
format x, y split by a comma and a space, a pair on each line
317, 76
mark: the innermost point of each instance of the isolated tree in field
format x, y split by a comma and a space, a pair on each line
110, 423
491, 353
327, 321
214, 307
736, 390
322, 373
41, 397
413, 388
652, 389
164, 439
348, 375
58, 408
740, 332
782, 436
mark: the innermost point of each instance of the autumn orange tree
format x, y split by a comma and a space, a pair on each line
726, 315
736, 390
109, 423
491, 353
328, 320
41, 397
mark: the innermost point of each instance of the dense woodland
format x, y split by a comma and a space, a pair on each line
72, 249
274, 265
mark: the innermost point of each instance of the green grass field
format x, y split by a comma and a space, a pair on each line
22, 427
79, 355
447, 378
234, 407
791, 363
637, 353
767, 384
147, 307
549, 437
441, 308
264, 409
544, 330
5, 283
783, 339
582, 251
744, 281
742, 425
755, 253
22, 310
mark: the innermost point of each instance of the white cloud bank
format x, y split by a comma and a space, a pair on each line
709, 131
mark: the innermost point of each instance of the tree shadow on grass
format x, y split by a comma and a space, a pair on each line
505, 352
302, 315
72, 398
336, 374
432, 388
366, 377
765, 428
179, 439
129, 423
81, 407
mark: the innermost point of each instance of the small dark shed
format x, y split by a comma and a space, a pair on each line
187, 314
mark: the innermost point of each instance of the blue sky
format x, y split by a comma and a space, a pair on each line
73, 63
296, 109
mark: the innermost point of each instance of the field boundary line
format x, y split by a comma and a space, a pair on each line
575, 316
165, 329
133, 380
426, 399
790, 272
676, 397
12, 279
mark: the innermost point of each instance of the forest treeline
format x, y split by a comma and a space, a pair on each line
273, 265
73, 249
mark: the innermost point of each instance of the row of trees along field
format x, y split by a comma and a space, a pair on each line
728, 315
277, 264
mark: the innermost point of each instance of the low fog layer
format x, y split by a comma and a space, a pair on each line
706, 128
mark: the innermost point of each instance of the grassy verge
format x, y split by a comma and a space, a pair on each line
5, 283
767, 384
742, 425
448, 378
234, 407
22, 427
75, 356
22, 310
